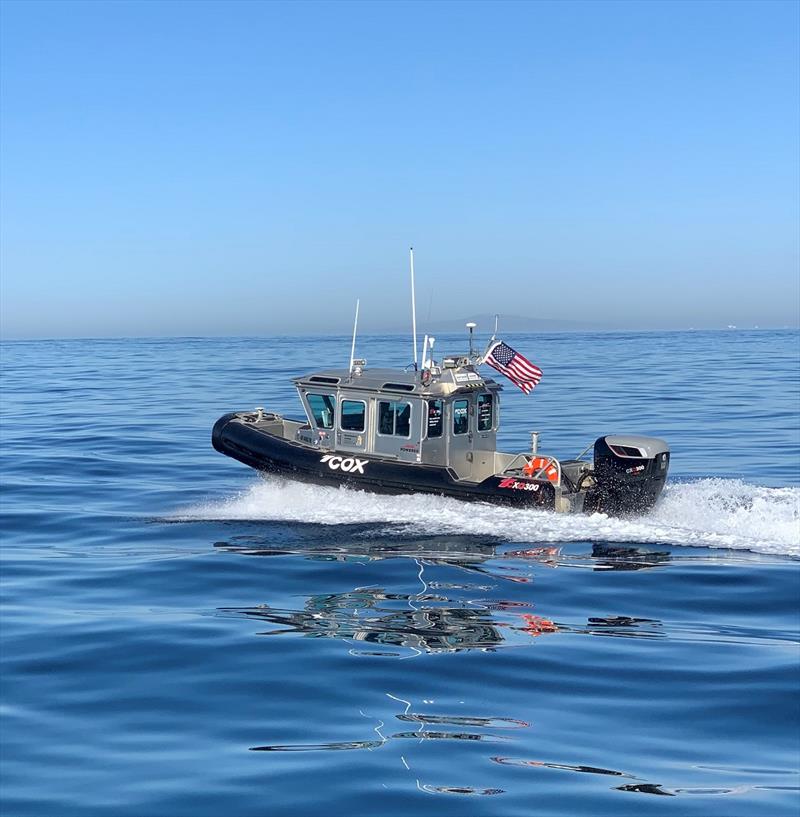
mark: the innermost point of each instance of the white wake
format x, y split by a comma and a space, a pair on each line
720, 513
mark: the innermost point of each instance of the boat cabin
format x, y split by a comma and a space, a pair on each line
445, 416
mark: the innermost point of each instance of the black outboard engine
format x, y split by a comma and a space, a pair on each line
629, 473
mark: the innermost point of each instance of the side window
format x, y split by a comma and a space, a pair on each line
323, 407
435, 418
402, 421
460, 416
394, 418
353, 415
485, 412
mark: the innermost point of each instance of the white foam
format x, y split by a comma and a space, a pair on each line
721, 513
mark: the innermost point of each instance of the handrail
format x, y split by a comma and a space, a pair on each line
585, 451
550, 461
512, 464
526, 455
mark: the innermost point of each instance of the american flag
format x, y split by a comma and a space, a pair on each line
518, 369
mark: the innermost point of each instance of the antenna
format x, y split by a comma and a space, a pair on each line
496, 320
355, 328
471, 326
413, 307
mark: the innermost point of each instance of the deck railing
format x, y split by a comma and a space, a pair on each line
520, 460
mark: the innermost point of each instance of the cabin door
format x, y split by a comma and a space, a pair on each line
460, 437
397, 428
351, 434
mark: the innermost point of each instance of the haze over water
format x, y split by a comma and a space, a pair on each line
181, 636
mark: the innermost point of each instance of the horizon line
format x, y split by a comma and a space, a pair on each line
40, 339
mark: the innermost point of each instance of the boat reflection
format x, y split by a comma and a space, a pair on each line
426, 622
358, 543
430, 622
616, 557
647, 788
622, 627
468, 728
471, 553
568, 767
444, 616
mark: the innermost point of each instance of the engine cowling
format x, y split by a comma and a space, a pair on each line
629, 473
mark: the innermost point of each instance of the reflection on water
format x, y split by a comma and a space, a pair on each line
471, 553
480, 731
426, 628
444, 616
425, 622
473, 729
320, 747
361, 543
639, 788
646, 788
447, 617
428, 622
508, 761
615, 557
623, 627
458, 790
488, 723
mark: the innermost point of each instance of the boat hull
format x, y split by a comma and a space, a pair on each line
272, 454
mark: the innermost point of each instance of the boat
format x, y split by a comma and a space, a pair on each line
432, 429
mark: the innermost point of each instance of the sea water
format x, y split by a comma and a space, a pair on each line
181, 636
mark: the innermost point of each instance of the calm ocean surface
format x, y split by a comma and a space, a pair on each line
183, 637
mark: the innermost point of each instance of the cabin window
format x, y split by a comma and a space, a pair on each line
353, 415
323, 407
435, 418
460, 416
485, 412
394, 418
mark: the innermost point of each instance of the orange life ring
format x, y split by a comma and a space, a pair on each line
541, 464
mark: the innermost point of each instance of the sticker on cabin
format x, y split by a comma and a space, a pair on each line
484, 414
435, 418
517, 485
351, 465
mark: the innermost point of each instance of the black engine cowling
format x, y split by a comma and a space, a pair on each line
629, 472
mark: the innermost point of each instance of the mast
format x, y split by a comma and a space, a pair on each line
353, 346
413, 307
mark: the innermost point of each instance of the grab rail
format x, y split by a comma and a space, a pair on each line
513, 466
550, 461
527, 456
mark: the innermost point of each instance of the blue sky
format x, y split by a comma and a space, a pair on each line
246, 168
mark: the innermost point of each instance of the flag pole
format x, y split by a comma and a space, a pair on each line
413, 307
